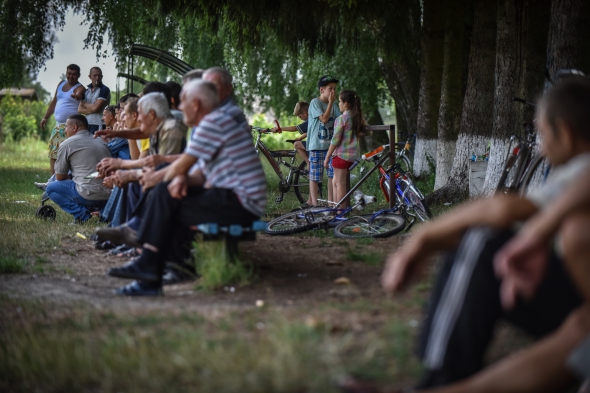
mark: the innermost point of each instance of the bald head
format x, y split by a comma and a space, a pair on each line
222, 79
199, 97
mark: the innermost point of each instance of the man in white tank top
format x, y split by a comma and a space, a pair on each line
64, 104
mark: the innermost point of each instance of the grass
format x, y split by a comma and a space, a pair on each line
217, 269
256, 350
357, 254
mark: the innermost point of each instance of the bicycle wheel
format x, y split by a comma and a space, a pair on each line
384, 225
301, 184
299, 221
418, 205
405, 164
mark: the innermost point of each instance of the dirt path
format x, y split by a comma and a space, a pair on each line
290, 271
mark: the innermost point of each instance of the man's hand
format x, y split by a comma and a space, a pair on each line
521, 265
108, 133
150, 178
398, 268
153, 160
124, 177
109, 181
108, 165
178, 187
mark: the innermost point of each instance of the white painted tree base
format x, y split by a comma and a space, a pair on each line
425, 150
445, 153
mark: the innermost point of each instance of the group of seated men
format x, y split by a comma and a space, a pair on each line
173, 186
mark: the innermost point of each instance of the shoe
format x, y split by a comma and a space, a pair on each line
119, 249
173, 276
137, 288
106, 245
137, 271
41, 186
119, 235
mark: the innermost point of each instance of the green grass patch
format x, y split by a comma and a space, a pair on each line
248, 351
371, 258
217, 269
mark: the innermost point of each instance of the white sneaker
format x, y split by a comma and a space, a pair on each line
41, 186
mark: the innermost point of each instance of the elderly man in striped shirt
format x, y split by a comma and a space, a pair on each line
219, 178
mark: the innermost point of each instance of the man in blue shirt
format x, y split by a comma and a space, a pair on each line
97, 97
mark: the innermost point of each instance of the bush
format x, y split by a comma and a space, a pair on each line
20, 119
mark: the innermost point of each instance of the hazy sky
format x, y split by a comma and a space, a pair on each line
70, 49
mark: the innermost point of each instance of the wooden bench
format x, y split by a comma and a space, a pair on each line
230, 235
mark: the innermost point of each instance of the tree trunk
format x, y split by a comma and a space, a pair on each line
534, 55
433, 37
567, 43
508, 76
477, 116
451, 101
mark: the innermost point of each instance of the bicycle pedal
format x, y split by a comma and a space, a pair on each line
279, 199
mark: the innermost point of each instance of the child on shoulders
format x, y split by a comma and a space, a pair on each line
344, 145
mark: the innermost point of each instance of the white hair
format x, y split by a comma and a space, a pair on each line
204, 91
156, 102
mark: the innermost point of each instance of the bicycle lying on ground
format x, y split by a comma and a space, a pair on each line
298, 176
382, 223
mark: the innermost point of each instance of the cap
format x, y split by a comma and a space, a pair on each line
324, 80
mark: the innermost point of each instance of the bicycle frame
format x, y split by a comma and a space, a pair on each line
285, 182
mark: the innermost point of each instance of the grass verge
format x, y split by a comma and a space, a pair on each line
256, 350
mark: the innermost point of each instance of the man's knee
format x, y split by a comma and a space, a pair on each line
577, 325
575, 234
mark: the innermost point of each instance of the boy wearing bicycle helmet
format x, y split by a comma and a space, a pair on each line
322, 113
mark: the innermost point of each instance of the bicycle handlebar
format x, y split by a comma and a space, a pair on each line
523, 101
368, 155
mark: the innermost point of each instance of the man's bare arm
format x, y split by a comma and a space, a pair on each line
50, 110
446, 232
180, 167
133, 134
86, 108
59, 176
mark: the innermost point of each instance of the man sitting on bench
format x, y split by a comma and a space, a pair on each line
218, 179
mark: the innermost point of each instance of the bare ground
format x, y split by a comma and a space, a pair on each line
290, 271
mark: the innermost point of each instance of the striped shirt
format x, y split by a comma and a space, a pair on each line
223, 144
345, 138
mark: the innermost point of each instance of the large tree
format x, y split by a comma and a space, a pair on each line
476, 118
433, 38
452, 88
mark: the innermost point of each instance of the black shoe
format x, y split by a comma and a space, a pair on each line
173, 276
119, 235
119, 249
138, 288
136, 271
105, 245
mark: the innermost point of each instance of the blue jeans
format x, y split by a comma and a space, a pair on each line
64, 194
119, 148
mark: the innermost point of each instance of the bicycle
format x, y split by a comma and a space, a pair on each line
404, 155
383, 223
523, 157
298, 176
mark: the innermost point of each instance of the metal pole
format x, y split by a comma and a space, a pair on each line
392, 145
